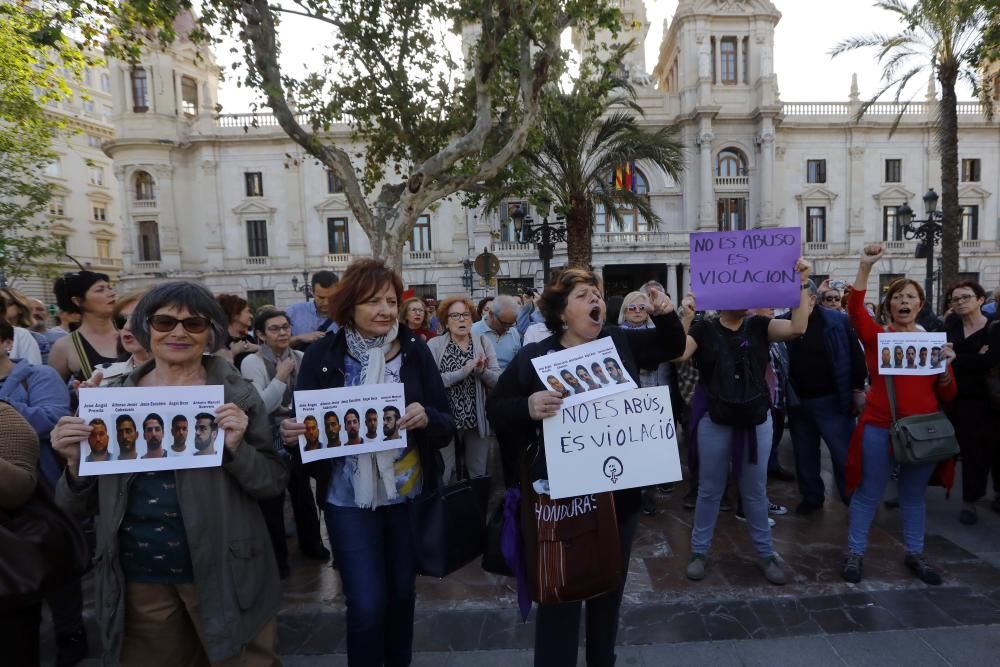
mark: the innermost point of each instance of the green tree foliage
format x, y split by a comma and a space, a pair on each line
32, 62
587, 131
943, 39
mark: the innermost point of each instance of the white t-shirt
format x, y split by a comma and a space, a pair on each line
25, 347
535, 333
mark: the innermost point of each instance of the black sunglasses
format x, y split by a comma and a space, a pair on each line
167, 323
120, 321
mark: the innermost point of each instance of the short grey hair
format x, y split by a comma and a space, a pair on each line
193, 297
504, 303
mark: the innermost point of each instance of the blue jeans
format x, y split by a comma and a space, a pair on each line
375, 555
714, 456
812, 419
877, 463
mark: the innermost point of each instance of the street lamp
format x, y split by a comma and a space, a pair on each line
304, 288
467, 276
545, 237
927, 232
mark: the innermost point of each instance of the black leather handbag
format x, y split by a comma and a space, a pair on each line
449, 525
42, 547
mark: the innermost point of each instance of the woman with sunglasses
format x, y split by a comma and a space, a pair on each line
977, 351
95, 341
469, 369
128, 348
185, 571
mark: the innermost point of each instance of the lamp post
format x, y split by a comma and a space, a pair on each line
304, 288
927, 232
545, 236
467, 276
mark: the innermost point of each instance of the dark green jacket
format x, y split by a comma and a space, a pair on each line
234, 567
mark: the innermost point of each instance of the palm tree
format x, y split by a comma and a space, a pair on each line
585, 135
940, 38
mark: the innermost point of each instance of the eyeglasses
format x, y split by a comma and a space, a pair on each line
963, 298
167, 323
636, 307
459, 316
278, 328
503, 325
120, 321
831, 299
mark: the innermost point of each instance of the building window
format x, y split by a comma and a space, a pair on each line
149, 241
970, 170
886, 279
257, 238
635, 181
507, 232
57, 205
54, 169
970, 223
140, 91
257, 298
333, 184
103, 249
88, 106
891, 229
145, 186
745, 59
815, 224
893, 171
727, 53
189, 96
254, 183
107, 112
711, 41
424, 291
732, 214
336, 232
88, 76
94, 141
95, 175
420, 241
816, 171
105, 82
730, 163
100, 213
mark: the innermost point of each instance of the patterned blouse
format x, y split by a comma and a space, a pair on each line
461, 395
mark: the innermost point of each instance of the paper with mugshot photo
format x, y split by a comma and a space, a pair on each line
584, 372
913, 353
350, 420
143, 429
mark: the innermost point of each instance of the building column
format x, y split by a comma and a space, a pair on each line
767, 174
706, 217
671, 285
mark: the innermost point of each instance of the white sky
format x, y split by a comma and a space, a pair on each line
808, 29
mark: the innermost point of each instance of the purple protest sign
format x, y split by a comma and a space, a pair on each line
745, 269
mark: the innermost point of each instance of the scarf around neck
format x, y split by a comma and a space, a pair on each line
378, 466
271, 363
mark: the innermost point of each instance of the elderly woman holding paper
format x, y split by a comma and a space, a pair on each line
574, 305
185, 573
367, 499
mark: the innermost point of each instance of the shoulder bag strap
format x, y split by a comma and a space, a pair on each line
890, 389
85, 367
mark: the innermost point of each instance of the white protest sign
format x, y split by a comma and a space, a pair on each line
911, 353
347, 421
584, 372
616, 442
142, 429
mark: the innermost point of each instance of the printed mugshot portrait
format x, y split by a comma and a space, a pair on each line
312, 433
390, 423
331, 426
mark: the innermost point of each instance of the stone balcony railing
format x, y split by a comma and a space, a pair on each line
109, 262
732, 182
257, 261
146, 267
644, 240
144, 204
337, 259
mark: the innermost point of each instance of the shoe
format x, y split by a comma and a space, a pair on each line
805, 508
691, 498
648, 502
666, 489
926, 572
776, 509
995, 505
318, 552
968, 517
772, 571
781, 474
71, 648
696, 567
740, 516
852, 571
725, 505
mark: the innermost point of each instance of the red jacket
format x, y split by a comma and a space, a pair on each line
915, 395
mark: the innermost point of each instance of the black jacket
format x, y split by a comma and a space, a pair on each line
323, 368
507, 404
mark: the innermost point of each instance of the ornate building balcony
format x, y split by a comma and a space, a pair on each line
337, 259
732, 183
146, 267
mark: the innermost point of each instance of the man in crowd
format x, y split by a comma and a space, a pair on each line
68, 322
433, 323
529, 313
371, 424
127, 436
205, 432
152, 433
39, 315
390, 423
352, 422
498, 326
331, 422
311, 434
310, 319
827, 371
179, 432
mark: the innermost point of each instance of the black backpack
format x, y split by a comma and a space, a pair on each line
737, 393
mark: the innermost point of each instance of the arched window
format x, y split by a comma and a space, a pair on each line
145, 186
731, 162
623, 179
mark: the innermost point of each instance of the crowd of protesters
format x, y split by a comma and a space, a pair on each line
473, 407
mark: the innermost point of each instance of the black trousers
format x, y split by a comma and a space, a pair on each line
304, 501
557, 626
273, 510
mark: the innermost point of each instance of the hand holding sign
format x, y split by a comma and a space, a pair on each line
544, 404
